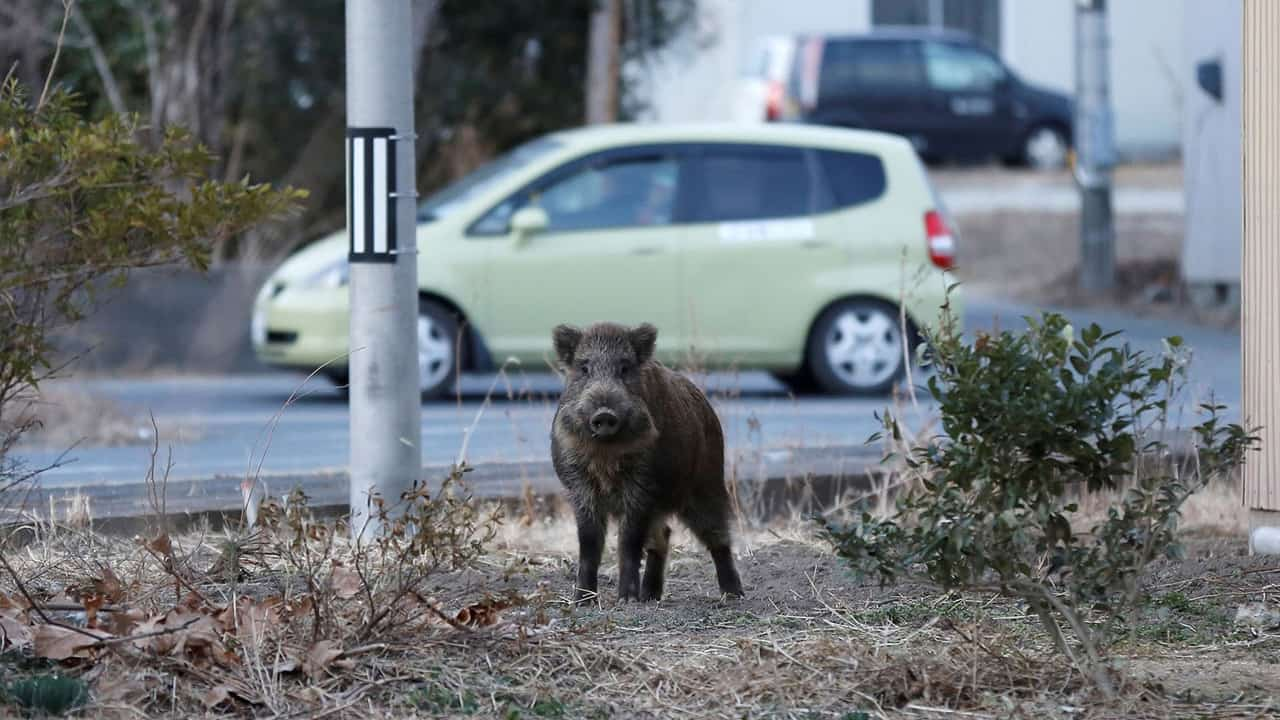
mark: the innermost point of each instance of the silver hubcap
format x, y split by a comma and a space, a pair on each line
1045, 150
864, 347
435, 353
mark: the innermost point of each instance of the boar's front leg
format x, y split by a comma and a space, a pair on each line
591, 529
632, 534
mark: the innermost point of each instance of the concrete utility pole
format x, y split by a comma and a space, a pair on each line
386, 457
604, 62
1095, 147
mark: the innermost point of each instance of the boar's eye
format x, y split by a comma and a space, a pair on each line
583, 366
627, 367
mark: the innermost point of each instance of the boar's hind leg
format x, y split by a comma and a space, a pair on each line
591, 529
709, 522
655, 561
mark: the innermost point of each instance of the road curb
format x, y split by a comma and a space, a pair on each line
778, 478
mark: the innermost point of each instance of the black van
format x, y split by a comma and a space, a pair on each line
951, 96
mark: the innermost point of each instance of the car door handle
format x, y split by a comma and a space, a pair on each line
646, 251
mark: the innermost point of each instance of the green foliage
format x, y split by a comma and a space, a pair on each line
47, 694
262, 83
1030, 419
81, 204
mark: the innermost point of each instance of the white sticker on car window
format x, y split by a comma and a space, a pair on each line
766, 230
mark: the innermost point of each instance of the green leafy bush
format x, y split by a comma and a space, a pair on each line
1029, 420
81, 204
47, 694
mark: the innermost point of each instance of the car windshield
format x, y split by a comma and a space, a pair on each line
454, 195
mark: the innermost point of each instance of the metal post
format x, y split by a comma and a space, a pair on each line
1095, 147
386, 457
936, 18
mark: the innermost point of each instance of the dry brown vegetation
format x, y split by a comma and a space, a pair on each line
67, 414
295, 619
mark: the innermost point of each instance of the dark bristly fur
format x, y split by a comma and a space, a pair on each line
635, 441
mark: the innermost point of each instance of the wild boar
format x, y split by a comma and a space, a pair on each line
639, 443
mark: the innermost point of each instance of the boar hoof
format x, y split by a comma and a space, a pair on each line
629, 591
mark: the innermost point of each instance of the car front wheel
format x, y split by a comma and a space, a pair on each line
437, 349
856, 348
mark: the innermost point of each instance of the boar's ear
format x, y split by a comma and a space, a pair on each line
643, 338
566, 339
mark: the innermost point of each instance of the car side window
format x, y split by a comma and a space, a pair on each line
850, 66
854, 178
752, 184
615, 193
956, 68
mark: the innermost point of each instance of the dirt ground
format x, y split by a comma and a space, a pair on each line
1033, 256
808, 641
1139, 175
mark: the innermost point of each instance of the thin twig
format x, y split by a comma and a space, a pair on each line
106, 642
22, 588
57, 52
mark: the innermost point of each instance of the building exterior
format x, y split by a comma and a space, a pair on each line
1211, 153
698, 78
1261, 295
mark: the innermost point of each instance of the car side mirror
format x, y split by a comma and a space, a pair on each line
528, 220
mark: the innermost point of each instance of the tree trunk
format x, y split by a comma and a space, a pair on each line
603, 62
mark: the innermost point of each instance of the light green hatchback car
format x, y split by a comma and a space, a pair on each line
786, 248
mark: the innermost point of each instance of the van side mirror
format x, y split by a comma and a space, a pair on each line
528, 220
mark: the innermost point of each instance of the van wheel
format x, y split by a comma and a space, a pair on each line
856, 348
437, 349
1045, 148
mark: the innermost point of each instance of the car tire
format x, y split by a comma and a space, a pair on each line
798, 383
855, 348
1045, 147
438, 346
341, 380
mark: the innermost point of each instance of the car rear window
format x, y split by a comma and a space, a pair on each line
850, 66
752, 184
853, 178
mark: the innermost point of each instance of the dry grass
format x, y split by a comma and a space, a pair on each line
1033, 256
68, 413
808, 642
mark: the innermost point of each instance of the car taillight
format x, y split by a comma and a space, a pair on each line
941, 243
810, 68
773, 102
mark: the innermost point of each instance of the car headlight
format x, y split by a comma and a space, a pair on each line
258, 322
334, 275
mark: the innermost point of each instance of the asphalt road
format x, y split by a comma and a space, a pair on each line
215, 430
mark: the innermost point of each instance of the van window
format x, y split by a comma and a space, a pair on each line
854, 178
752, 184
956, 68
850, 66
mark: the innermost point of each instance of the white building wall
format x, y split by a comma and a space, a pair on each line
1038, 39
1211, 138
697, 79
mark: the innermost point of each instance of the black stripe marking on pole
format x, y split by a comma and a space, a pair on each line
368, 239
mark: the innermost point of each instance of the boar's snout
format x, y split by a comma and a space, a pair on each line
604, 423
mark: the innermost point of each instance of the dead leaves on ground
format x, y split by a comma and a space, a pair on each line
217, 643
